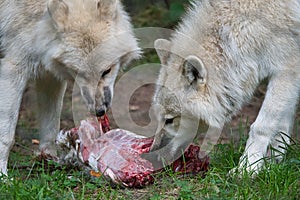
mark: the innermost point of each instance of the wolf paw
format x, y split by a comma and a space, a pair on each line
5, 179
245, 169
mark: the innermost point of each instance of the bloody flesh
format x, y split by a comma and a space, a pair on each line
116, 154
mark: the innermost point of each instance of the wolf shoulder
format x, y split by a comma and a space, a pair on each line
249, 29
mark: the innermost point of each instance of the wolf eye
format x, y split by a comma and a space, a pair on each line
106, 72
169, 121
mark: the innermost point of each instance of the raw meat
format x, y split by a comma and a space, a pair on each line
116, 154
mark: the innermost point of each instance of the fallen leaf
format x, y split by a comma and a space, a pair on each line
35, 141
95, 174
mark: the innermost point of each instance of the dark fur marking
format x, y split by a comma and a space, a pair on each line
107, 96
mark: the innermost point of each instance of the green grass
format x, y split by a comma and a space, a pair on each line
35, 180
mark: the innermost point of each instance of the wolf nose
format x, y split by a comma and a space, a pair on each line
100, 112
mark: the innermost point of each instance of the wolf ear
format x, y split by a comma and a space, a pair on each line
107, 9
194, 70
163, 48
58, 11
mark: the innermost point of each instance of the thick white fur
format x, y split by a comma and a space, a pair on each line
240, 43
51, 41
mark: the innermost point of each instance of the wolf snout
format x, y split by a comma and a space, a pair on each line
100, 111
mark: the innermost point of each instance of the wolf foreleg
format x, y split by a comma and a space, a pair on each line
50, 93
276, 116
12, 85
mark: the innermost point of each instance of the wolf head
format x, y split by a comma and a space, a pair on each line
90, 40
188, 89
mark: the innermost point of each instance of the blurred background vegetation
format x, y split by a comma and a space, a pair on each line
155, 13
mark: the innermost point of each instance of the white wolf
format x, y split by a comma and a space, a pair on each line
51, 41
220, 53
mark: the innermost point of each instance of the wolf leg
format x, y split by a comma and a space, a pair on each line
276, 116
279, 144
12, 85
50, 93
